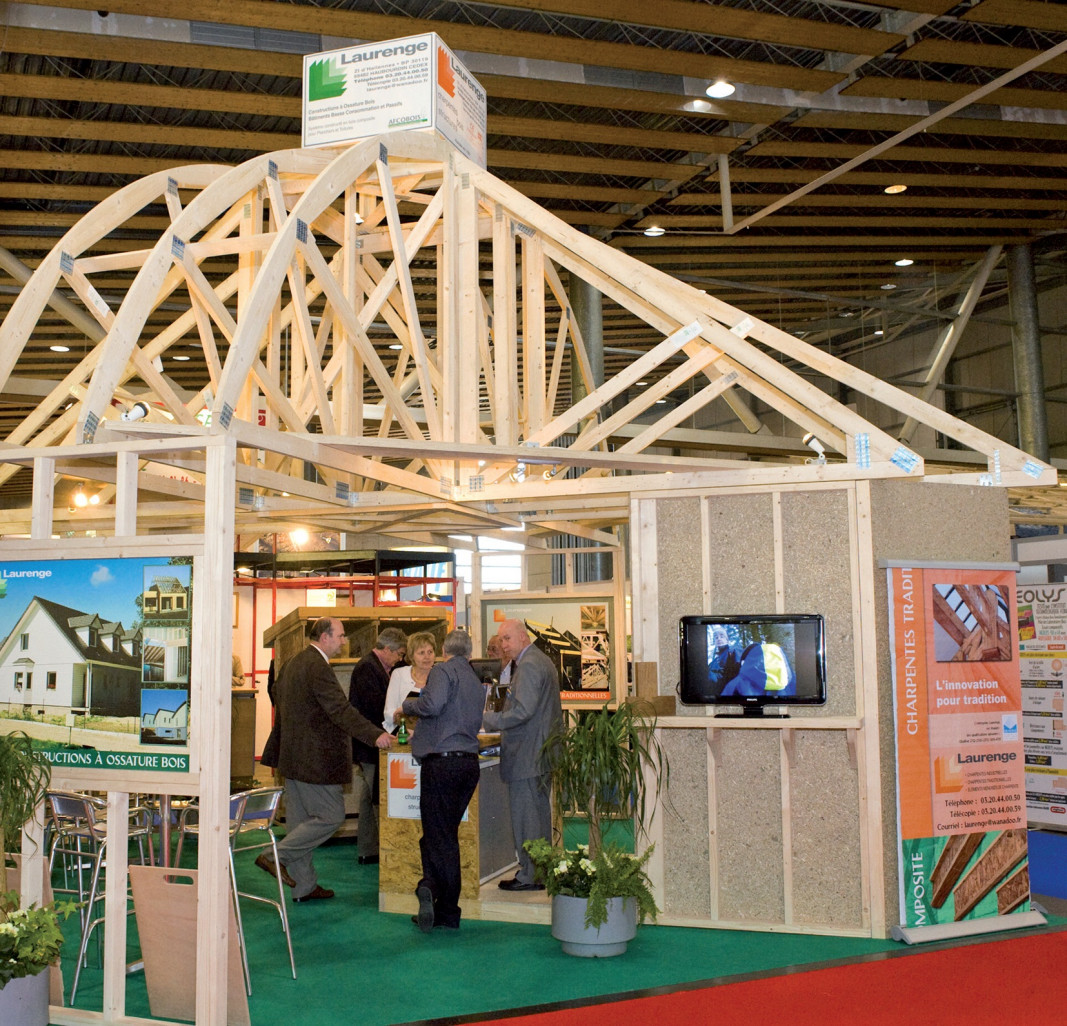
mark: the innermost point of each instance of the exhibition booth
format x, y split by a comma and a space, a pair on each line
770, 822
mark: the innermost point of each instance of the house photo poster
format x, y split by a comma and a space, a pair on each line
1043, 671
95, 659
961, 814
577, 634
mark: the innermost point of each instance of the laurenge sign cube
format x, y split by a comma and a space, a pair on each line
410, 83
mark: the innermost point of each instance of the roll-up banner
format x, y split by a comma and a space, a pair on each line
961, 813
1043, 671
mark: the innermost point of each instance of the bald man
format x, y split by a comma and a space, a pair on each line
531, 712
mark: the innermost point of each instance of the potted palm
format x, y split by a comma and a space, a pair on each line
609, 765
30, 938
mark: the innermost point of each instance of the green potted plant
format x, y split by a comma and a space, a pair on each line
30, 938
609, 765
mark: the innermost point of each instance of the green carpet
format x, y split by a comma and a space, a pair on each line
357, 965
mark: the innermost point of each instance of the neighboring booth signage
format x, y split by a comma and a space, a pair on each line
410, 83
95, 660
957, 705
1043, 670
575, 633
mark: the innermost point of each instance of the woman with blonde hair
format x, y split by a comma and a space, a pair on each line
409, 680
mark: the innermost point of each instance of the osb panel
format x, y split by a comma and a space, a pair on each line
827, 869
678, 578
400, 868
741, 550
818, 579
915, 520
687, 881
749, 803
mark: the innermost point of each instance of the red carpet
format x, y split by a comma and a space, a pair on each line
977, 984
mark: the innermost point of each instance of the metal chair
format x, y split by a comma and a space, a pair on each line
79, 833
250, 811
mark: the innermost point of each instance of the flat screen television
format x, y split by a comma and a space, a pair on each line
755, 661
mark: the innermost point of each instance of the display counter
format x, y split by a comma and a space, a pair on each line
486, 849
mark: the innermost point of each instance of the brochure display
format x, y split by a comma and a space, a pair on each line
957, 706
414, 82
1043, 670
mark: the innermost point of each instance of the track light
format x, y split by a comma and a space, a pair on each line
816, 447
138, 411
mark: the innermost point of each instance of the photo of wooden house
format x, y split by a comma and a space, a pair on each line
61, 659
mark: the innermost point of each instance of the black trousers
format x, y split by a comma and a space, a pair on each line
448, 785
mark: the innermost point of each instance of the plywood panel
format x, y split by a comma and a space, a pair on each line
749, 812
816, 555
827, 870
686, 830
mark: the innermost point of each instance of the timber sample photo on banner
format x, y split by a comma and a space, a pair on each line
957, 704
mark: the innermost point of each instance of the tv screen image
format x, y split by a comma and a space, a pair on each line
754, 661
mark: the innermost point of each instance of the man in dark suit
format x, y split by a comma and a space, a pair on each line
315, 757
366, 692
532, 710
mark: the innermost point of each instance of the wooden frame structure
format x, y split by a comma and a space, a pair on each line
386, 328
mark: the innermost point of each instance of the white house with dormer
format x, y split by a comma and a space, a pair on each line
60, 659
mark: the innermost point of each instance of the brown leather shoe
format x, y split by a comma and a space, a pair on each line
317, 894
275, 870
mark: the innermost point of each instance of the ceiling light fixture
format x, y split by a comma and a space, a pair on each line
81, 500
60, 349
654, 230
698, 106
720, 89
299, 536
895, 190
181, 359
888, 286
904, 262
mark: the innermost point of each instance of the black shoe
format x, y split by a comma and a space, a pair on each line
426, 916
317, 894
515, 885
438, 926
368, 860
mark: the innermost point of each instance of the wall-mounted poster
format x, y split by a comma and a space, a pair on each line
1043, 671
95, 658
575, 633
957, 704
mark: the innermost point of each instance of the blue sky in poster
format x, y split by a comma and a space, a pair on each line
108, 587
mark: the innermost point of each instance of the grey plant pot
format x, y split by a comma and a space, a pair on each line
24, 1002
610, 938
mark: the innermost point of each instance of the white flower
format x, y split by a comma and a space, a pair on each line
8, 930
562, 868
587, 866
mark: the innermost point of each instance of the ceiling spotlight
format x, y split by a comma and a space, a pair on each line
299, 536
888, 286
138, 411
878, 331
720, 89
895, 190
698, 106
94, 500
904, 262
655, 230
60, 349
641, 384
816, 447
81, 500
181, 359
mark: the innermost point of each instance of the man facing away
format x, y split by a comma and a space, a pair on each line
445, 742
366, 692
532, 710
315, 756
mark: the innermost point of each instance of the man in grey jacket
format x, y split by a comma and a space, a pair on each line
449, 711
315, 756
532, 710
